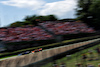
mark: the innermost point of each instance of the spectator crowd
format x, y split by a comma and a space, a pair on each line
24, 34
63, 28
30, 33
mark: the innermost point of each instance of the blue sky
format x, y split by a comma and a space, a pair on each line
16, 10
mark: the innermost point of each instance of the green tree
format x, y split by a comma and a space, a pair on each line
83, 12
94, 10
52, 17
17, 24
33, 20
88, 12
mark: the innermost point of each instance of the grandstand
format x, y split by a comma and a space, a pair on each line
23, 34
45, 33
18, 34
17, 38
64, 28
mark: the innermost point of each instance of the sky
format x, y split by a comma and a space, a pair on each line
17, 10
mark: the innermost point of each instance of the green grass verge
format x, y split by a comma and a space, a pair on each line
7, 57
76, 58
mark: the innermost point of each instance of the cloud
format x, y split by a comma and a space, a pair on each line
32, 4
59, 8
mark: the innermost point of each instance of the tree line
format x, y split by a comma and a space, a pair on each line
87, 11
33, 20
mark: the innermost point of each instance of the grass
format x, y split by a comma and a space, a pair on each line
63, 42
7, 57
76, 58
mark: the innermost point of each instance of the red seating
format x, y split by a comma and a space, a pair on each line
36, 33
24, 34
67, 27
